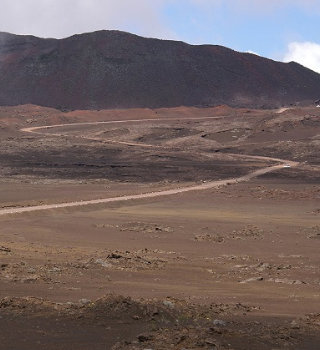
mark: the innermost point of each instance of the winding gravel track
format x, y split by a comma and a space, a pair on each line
282, 163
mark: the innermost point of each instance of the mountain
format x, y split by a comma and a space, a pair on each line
113, 69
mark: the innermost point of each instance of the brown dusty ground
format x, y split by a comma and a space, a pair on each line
235, 267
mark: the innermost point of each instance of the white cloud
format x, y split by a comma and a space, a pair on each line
305, 53
252, 52
61, 18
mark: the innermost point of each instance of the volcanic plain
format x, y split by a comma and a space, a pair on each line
178, 228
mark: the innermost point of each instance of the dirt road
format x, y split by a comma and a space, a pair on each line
204, 186
207, 265
35, 130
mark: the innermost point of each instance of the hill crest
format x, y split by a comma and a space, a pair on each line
114, 69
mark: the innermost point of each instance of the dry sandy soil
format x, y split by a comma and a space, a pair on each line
227, 267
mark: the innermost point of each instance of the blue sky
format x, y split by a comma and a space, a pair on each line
265, 30
279, 29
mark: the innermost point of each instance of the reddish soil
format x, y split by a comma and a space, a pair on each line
234, 267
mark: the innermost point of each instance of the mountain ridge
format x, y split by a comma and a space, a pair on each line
115, 69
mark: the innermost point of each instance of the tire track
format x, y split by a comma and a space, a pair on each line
205, 186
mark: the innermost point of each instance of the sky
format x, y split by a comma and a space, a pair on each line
284, 30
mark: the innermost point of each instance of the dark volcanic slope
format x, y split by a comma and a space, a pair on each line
112, 69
